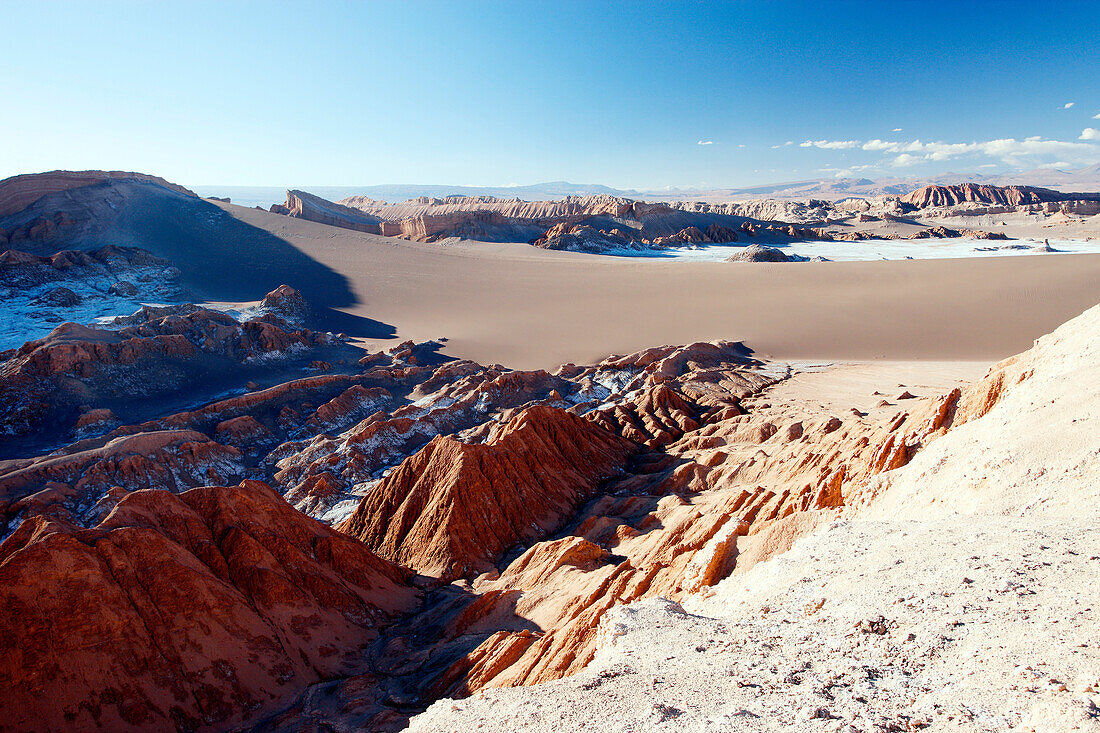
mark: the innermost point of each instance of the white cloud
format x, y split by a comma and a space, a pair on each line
905, 159
1096, 116
789, 142
830, 144
705, 142
1009, 150
1090, 133
1069, 105
896, 129
741, 145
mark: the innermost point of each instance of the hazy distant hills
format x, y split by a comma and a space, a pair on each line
1081, 179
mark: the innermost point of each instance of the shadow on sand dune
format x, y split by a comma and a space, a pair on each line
220, 257
223, 258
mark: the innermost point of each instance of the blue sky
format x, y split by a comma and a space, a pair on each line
298, 94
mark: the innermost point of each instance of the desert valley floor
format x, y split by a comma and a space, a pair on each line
343, 466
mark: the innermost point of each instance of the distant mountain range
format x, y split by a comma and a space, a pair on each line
1078, 180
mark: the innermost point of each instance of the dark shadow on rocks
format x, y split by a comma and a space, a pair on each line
220, 257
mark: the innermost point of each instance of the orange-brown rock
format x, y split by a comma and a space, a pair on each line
580, 223
241, 431
46, 380
194, 612
168, 460
659, 416
454, 508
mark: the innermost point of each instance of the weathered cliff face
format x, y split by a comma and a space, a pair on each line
581, 223
931, 196
974, 483
193, 612
302, 205
564, 208
601, 224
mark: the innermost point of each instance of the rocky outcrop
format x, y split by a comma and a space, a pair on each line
454, 508
45, 381
445, 400
533, 504
194, 612
602, 224
82, 486
577, 223
760, 253
932, 196
22, 270
302, 205
286, 303
568, 207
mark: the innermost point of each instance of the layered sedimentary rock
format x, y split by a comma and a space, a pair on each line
304, 205
963, 193
453, 508
193, 612
19, 192
600, 224
1007, 453
582, 223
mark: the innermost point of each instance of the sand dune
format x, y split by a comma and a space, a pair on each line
528, 308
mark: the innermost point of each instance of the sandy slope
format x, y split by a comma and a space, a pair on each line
1031, 454
963, 598
524, 307
981, 634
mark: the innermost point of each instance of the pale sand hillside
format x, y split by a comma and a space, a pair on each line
1037, 453
909, 616
527, 308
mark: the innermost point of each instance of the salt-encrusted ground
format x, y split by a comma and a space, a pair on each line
882, 249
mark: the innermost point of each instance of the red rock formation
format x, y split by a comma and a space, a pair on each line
44, 381
930, 196
198, 611
286, 303
169, 460
453, 508
658, 417
453, 397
